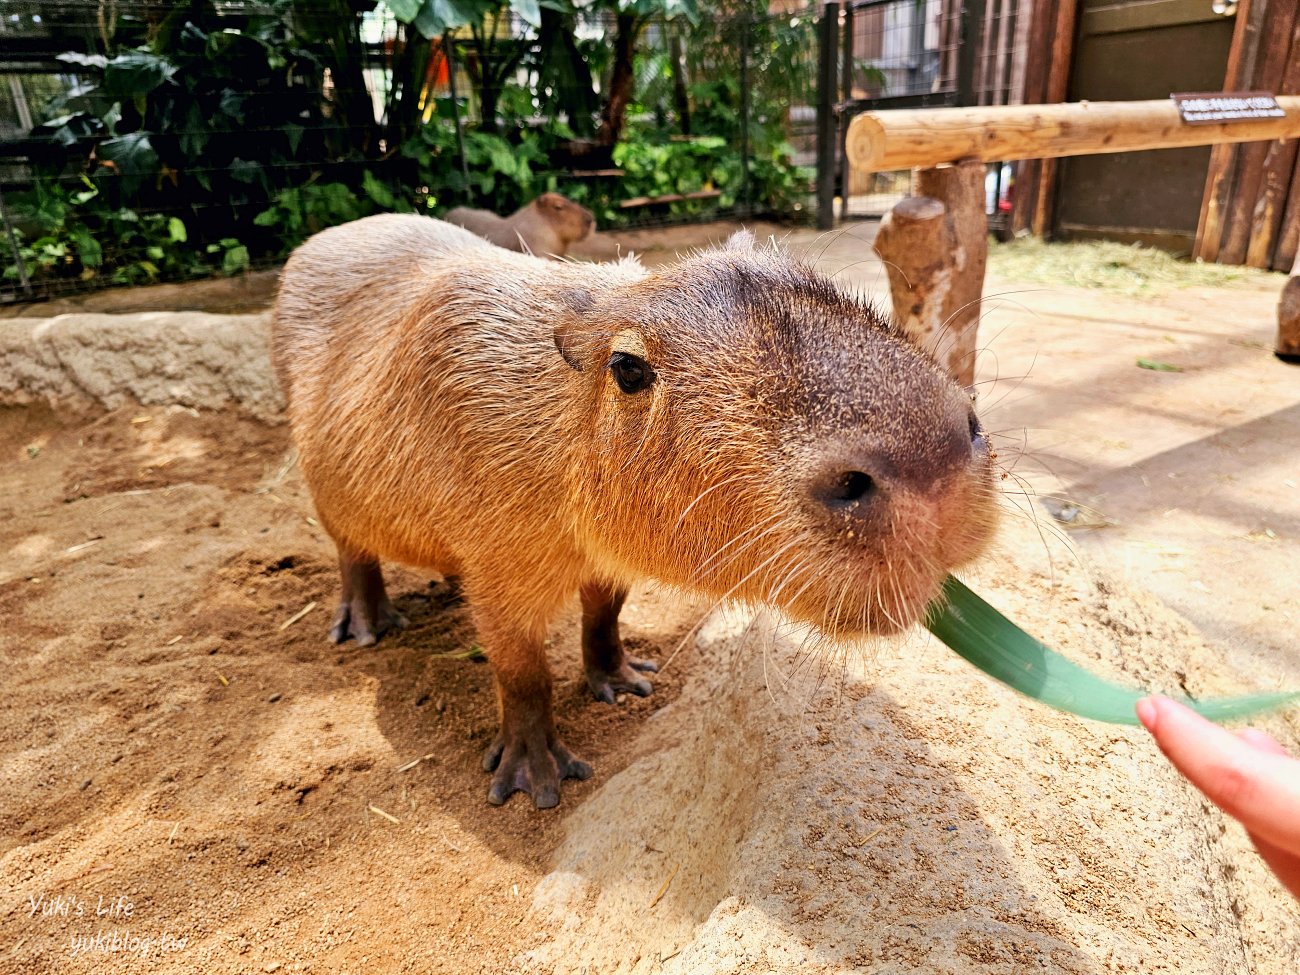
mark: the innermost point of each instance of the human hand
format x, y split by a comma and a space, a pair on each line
1248, 775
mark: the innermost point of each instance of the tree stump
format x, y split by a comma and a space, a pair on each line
935, 248
1288, 318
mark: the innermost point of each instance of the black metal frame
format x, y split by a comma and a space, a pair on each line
834, 114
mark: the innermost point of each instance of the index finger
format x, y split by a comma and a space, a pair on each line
1260, 789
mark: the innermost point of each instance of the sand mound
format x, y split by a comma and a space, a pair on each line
171, 740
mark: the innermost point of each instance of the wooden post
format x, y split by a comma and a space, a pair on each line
1273, 56
1223, 157
935, 248
1288, 242
1288, 318
1049, 53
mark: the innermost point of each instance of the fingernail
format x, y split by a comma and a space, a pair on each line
1146, 712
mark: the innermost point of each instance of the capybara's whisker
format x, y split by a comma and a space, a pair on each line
705, 493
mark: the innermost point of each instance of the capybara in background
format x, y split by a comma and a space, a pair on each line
732, 424
546, 227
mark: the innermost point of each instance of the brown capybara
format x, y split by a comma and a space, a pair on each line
546, 227
733, 424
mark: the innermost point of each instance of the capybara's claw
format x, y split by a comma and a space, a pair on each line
606, 685
530, 766
352, 621
365, 613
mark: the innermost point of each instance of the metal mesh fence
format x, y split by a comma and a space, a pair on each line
152, 140
922, 53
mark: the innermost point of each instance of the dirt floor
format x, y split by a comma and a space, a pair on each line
193, 780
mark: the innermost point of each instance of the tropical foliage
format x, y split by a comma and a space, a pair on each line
205, 137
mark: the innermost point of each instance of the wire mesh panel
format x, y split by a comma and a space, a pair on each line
899, 48
161, 141
927, 53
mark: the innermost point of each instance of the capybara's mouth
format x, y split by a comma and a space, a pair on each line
876, 623
871, 620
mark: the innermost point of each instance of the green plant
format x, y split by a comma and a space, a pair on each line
502, 174
207, 117
205, 139
300, 211
68, 234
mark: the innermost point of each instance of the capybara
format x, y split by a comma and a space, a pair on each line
546, 227
733, 424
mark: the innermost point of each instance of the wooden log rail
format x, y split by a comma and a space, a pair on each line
934, 244
927, 137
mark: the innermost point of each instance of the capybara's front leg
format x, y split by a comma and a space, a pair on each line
364, 611
609, 669
527, 755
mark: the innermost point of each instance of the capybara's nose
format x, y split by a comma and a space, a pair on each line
848, 492
854, 485
860, 481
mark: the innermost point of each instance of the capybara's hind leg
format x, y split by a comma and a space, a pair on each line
364, 612
609, 670
527, 754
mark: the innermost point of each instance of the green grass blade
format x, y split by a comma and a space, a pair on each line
990, 641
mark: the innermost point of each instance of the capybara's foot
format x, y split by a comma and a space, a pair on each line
532, 761
365, 613
624, 679
610, 671
356, 620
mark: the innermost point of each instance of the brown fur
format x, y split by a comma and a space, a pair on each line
546, 227
455, 409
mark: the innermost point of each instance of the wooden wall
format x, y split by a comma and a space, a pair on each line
1251, 210
1250, 213
1048, 50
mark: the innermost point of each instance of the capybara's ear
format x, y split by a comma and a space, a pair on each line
566, 341
741, 240
574, 337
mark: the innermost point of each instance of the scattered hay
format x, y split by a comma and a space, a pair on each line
1127, 269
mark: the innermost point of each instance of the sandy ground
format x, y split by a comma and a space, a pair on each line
192, 773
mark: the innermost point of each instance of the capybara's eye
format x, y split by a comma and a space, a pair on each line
631, 373
976, 429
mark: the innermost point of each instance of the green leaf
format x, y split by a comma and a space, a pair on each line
133, 156
528, 10
404, 10
1158, 366
88, 249
438, 16
135, 74
68, 130
502, 157
85, 60
244, 170
236, 260
232, 105
176, 230
990, 641
194, 133
378, 191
